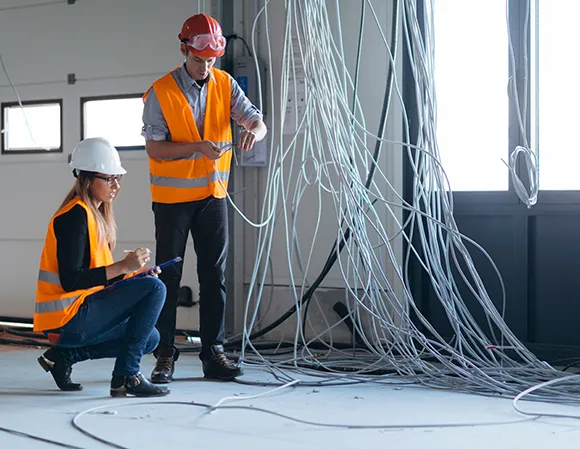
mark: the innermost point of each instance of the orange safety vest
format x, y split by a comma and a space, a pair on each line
54, 306
193, 177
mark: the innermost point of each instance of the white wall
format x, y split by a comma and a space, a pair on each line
113, 47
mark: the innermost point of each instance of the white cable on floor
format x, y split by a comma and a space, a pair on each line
572, 378
244, 398
103, 440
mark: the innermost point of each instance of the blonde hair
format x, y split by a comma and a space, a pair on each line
104, 216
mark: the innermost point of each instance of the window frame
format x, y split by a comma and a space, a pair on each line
521, 31
12, 104
545, 196
84, 100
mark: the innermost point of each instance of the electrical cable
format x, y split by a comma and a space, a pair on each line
22, 333
236, 37
17, 342
571, 365
575, 378
33, 5
333, 165
3, 131
530, 157
37, 438
210, 408
255, 396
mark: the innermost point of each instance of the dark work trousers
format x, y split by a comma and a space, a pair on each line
207, 221
117, 322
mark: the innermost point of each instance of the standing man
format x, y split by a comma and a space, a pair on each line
189, 142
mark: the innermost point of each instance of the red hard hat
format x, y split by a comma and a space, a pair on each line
213, 41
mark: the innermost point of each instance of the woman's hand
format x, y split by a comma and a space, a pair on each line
137, 259
154, 272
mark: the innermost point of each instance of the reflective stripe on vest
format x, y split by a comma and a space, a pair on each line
54, 306
189, 183
49, 276
193, 177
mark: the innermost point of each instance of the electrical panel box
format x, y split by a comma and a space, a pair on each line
246, 75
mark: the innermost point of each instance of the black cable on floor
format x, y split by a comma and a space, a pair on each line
10, 341
21, 333
37, 438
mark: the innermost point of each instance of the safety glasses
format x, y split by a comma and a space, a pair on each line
200, 42
110, 180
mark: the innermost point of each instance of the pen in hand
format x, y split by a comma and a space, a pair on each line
136, 259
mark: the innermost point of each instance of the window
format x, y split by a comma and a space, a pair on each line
471, 75
32, 127
116, 118
558, 94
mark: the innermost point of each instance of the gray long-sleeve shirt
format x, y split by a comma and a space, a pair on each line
242, 111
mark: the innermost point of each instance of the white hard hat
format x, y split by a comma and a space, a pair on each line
96, 154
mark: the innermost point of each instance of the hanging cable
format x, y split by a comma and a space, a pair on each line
527, 196
331, 163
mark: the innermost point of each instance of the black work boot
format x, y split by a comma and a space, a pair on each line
53, 362
165, 366
136, 385
218, 366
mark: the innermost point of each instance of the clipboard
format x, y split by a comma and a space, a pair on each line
148, 271
144, 272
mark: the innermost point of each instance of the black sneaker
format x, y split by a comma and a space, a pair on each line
219, 367
136, 385
52, 363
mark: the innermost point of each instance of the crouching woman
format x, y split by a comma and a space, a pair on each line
77, 307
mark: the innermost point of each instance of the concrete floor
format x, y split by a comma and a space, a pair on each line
31, 403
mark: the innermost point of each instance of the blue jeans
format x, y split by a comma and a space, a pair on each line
116, 322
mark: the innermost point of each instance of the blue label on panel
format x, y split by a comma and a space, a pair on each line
243, 82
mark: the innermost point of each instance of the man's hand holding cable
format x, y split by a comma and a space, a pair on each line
250, 135
209, 149
246, 140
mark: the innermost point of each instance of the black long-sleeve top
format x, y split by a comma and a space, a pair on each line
73, 252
